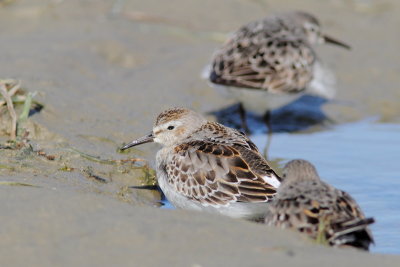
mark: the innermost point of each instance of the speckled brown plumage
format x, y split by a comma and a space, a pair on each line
216, 174
256, 67
170, 114
311, 206
273, 54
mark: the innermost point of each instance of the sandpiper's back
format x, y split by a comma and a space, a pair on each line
313, 207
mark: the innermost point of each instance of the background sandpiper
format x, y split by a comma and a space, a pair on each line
271, 62
311, 206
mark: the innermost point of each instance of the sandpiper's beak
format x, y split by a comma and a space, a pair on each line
142, 140
331, 40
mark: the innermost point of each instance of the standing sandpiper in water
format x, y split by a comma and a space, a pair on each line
311, 206
206, 166
271, 62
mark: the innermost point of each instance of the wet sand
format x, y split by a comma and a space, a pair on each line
103, 70
57, 225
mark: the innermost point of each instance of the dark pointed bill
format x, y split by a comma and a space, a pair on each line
331, 40
142, 140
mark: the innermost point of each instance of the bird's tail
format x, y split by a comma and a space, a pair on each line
353, 233
205, 73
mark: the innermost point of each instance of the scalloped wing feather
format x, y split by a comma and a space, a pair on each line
306, 205
218, 174
276, 62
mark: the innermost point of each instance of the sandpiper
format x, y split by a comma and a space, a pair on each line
311, 206
206, 166
271, 62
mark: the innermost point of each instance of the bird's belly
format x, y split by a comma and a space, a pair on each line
174, 197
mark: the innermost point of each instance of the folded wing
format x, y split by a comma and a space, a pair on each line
218, 174
276, 62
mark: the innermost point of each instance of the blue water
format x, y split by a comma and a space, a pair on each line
166, 204
361, 158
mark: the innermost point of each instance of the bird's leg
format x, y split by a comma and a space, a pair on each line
267, 120
242, 113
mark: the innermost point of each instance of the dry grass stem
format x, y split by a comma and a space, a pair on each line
11, 110
16, 86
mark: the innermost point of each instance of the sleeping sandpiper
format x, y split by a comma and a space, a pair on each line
311, 206
206, 166
271, 62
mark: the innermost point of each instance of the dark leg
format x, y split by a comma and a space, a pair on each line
242, 113
267, 120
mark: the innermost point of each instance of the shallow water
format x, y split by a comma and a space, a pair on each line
360, 158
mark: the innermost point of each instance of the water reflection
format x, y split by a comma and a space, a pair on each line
298, 115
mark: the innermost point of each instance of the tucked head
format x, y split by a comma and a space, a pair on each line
299, 170
312, 29
171, 126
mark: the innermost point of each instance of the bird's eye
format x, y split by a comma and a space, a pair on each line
171, 127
